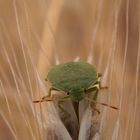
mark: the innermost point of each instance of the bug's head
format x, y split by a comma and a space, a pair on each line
77, 94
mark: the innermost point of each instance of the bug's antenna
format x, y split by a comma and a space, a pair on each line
104, 104
47, 99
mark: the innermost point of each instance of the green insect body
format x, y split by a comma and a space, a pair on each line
77, 79
73, 78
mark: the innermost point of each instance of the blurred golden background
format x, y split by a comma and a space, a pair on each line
37, 34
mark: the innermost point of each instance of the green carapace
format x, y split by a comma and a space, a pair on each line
74, 78
77, 79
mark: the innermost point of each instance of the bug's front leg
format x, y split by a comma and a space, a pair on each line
50, 94
102, 87
94, 100
95, 88
46, 98
99, 82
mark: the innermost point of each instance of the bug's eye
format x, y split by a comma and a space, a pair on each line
68, 93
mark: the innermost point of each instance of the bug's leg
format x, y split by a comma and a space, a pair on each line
93, 88
46, 79
66, 98
94, 99
99, 82
99, 74
96, 89
43, 100
102, 87
95, 96
97, 85
104, 104
46, 98
50, 90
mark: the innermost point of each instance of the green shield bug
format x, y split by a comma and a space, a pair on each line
77, 80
